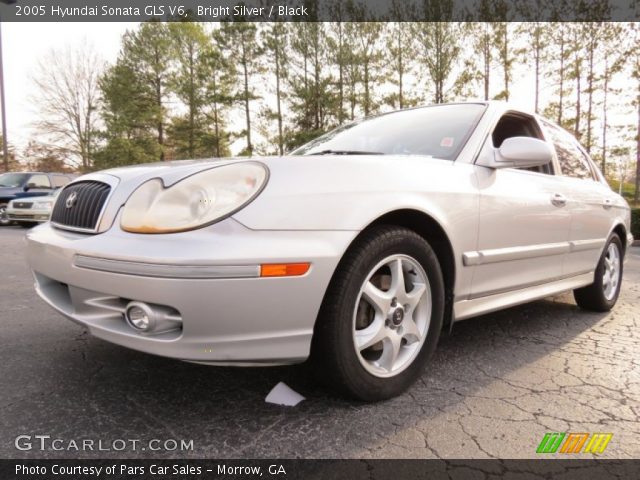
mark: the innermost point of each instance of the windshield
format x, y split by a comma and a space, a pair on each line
439, 131
12, 179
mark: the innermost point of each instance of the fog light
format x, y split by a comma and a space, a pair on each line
139, 316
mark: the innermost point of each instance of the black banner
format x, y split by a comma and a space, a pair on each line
319, 10
318, 469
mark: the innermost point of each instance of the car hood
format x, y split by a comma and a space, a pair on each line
292, 178
9, 191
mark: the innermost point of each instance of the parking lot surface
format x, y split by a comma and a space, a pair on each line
493, 389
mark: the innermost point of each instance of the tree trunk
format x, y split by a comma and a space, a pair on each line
278, 95
246, 97
158, 84
636, 195
592, 47
578, 99
537, 49
505, 55
603, 165
400, 67
340, 74
191, 106
366, 89
216, 127
561, 93
487, 61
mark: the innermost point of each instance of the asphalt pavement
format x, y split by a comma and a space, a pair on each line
493, 389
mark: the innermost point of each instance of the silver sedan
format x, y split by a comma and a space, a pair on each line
355, 250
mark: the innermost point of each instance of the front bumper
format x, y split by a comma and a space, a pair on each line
27, 215
202, 277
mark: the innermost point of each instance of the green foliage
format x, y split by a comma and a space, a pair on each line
627, 188
635, 223
189, 82
121, 151
313, 101
240, 39
134, 92
438, 44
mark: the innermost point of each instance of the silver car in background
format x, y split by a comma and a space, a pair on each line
30, 211
356, 250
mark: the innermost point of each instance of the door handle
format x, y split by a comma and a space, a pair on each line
559, 200
607, 203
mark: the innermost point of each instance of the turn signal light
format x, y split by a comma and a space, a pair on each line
284, 269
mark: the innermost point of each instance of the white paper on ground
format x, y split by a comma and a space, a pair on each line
281, 394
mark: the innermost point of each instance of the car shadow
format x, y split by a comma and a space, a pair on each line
92, 389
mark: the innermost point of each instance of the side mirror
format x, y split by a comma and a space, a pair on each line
519, 152
27, 187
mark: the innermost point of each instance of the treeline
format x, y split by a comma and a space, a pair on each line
191, 90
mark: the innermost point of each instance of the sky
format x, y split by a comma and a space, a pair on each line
24, 44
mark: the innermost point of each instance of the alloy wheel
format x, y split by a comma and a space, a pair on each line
391, 315
611, 275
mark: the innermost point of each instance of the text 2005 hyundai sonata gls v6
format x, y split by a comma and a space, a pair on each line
356, 249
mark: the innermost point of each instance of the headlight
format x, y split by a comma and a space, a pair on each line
46, 205
193, 202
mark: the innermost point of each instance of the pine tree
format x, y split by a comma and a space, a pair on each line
614, 60
367, 54
438, 42
401, 52
148, 53
219, 96
275, 43
191, 45
312, 101
129, 116
537, 37
242, 43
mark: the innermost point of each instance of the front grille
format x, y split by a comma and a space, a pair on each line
22, 204
79, 205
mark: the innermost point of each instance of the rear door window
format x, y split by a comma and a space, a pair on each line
573, 162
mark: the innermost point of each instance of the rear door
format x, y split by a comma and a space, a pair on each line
524, 223
588, 201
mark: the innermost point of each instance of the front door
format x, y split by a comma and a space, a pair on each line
523, 231
524, 222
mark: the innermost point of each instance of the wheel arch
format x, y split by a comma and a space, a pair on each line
621, 231
432, 231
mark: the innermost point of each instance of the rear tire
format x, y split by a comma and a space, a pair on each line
371, 342
603, 293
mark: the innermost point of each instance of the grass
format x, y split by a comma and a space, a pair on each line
628, 189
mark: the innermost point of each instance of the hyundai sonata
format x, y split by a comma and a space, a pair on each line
356, 249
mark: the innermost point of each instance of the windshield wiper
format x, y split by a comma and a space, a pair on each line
345, 152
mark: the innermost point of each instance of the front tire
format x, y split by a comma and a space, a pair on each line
382, 315
4, 219
603, 293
